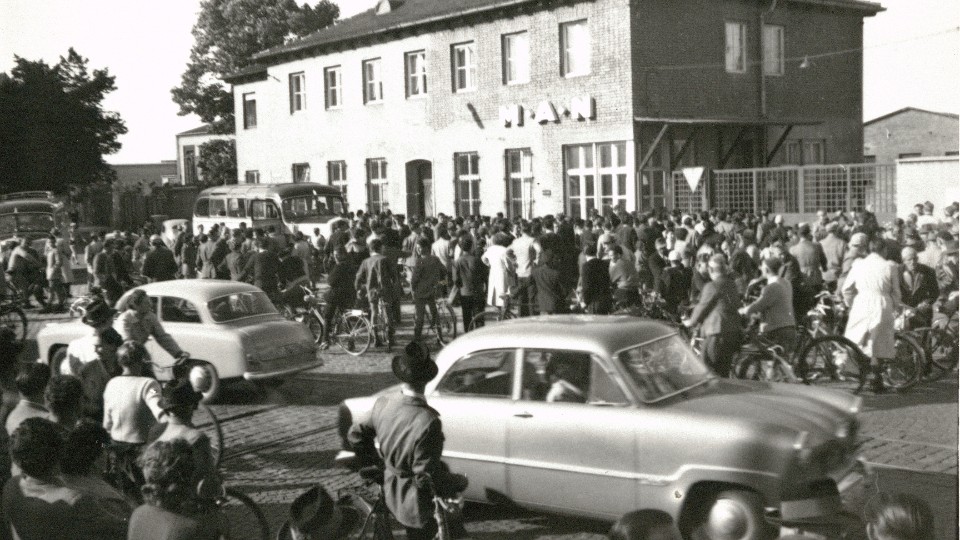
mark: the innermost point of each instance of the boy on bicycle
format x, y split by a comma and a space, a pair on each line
382, 281
428, 274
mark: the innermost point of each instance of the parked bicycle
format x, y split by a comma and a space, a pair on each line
760, 359
938, 341
351, 331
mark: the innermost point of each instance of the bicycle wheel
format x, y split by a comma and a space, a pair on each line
833, 362
216, 439
353, 334
315, 324
15, 319
905, 369
760, 366
484, 318
941, 348
242, 518
446, 323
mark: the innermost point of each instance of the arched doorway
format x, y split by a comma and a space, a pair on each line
419, 188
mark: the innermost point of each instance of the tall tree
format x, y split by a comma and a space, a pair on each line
218, 162
226, 35
54, 130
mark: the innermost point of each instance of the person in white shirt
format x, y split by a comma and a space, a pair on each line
525, 255
131, 402
926, 219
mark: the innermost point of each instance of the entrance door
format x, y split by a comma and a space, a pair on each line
419, 175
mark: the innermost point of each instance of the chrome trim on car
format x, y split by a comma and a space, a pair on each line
647, 479
262, 375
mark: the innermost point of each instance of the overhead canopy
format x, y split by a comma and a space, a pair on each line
731, 121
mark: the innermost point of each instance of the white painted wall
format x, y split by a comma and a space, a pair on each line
934, 179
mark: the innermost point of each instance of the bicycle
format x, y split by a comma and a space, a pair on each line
760, 359
445, 323
379, 320
938, 342
13, 317
351, 331
494, 314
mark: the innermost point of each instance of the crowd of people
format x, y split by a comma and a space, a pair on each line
104, 414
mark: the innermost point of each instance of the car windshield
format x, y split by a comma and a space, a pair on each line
25, 222
664, 367
308, 207
239, 305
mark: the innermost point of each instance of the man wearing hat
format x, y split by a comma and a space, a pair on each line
411, 445
159, 264
93, 357
315, 516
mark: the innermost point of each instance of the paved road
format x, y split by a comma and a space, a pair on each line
282, 441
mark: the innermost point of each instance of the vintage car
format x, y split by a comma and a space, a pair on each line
597, 416
231, 329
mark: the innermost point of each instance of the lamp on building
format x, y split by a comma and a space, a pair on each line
805, 63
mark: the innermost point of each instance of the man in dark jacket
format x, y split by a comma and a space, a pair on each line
263, 267
159, 263
675, 282
381, 279
341, 292
411, 443
428, 273
918, 287
716, 313
470, 275
595, 288
546, 277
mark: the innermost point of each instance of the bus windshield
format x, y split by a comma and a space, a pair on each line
25, 222
309, 207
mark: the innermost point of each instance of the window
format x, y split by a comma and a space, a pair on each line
332, 87
264, 210
772, 50
298, 92
377, 185
372, 82
467, 183
803, 152
337, 175
251, 177
178, 310
663, 367
218, 207
952, 153
483, 373
416, 69
574, 49
202, 208
557, 376
240, 305
464, 67
869, 159
249, 111
190, 164
813, 153
520, 183
736, 50
516, 58
237, 208
596, 178
909, 155
301, 173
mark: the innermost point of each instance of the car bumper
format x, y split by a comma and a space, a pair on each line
264, 375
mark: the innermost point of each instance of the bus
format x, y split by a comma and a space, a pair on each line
291, 207
31, 215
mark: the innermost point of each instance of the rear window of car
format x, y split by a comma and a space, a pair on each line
240, 305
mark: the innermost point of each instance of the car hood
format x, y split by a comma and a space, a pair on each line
270, 338
819, 412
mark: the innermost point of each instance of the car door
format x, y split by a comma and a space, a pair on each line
475, 401
571, 441
181, 320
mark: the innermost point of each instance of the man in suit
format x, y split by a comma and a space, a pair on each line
595, 288
470, 275
381, 279
411, 443
918, 287
675, 282
810, 257
263, 268
716, 313
546, 277
428, 273
159, 263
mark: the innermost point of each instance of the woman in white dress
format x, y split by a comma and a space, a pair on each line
502, 269
872, 290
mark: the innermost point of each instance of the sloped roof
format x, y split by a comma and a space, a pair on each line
913, 109
205, 129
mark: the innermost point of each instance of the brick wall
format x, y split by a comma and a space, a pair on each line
912, 131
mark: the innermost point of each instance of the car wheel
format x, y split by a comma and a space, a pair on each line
735, 514
59, 355
205, 379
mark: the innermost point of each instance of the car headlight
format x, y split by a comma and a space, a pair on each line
848, 430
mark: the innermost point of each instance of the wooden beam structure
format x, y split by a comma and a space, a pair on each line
653, 147
776, 147
729, 153
683, 150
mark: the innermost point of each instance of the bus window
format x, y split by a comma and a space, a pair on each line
237, 208
202, 208
264, 210
306, 207
218, 207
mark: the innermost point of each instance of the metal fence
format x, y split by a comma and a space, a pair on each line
792, 190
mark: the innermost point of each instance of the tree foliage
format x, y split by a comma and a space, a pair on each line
53, 129
218, 162
226, 35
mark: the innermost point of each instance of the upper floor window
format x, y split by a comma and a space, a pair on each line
372, 81
249, 110
516, 58
803, 152
337, 175
251, 177
333, 89
416, 70
298, 92
464, 67
301, 173
574, 49
772, 50
736, 48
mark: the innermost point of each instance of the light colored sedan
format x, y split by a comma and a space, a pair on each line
231, 329
597, 416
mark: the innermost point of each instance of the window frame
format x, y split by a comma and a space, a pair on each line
526, 179
469, 68
590, 186
376, 82
470, 181
381, 183
779, 62
514, 359
333, 92
249, 110
736, 66
302, 166
341, 182
506, 57
420, 77
800, 147
567, 59
298, 95
254, 173
176, 299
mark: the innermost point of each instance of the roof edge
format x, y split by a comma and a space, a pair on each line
906, 109
871, 8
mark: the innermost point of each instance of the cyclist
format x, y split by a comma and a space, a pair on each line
340, 295
428, 273
380, 277
717, 314
138, 321
775, 307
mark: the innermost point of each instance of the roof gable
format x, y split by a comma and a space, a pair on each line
910, 109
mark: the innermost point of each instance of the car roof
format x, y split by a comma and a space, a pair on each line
603, 334
198, 291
